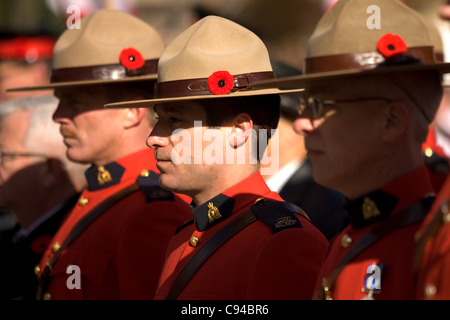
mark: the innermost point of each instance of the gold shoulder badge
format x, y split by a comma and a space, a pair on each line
213, 213
103, 175
284, 222
370, 209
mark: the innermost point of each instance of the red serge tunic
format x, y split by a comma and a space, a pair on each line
256, 263
435, 160
433, 277
393, 254
119, 254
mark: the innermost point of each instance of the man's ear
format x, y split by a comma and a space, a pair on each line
241, 128
397, 115
53, 173
134, 117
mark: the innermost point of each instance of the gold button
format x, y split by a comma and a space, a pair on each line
83, 201
429, 152
37, 269
346, 241
145, 173
417, 236
430, 291
194, 241
56, 247
47, 296
446, 218
259, 200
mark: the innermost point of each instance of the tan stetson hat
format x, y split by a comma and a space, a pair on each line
343, 45
111, 46
214, 58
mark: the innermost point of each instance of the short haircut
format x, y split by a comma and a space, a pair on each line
264, 111
124, 91
424, 91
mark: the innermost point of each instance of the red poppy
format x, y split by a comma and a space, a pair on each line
221, 82
40, 244
391, 45
131, 58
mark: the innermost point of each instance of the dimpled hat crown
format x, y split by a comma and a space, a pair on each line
345, 43
214, 58
111, 46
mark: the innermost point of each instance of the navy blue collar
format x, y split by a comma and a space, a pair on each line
370, 208
212, 212
102, 177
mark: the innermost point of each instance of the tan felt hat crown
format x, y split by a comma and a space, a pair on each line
214, 58
345, 43
111, 46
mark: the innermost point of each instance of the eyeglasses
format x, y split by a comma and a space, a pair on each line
315, 106
8, 156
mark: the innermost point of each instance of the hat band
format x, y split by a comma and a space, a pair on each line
361, 60
103, 72
197, 87
30, 49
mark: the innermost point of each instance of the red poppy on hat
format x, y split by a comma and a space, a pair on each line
220, 82
40, 244
131, 58
391, 45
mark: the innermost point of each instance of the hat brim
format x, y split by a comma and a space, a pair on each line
152, 102
301, 81
148, 77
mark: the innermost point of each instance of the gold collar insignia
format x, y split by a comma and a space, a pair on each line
103, 175
370, 209
213, 213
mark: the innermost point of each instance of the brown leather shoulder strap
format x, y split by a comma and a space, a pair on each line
222, 236
207, 250
430, 231
410, 215
78, 229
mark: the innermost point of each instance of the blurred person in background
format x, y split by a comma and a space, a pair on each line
37, 183
294, 181
432, 256
27, 36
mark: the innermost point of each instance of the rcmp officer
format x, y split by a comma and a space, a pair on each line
370, 97
117, 232
38, 183
434, 155
245, 242
432, 256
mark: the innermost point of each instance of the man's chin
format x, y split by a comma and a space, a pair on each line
74, 156
167, 183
